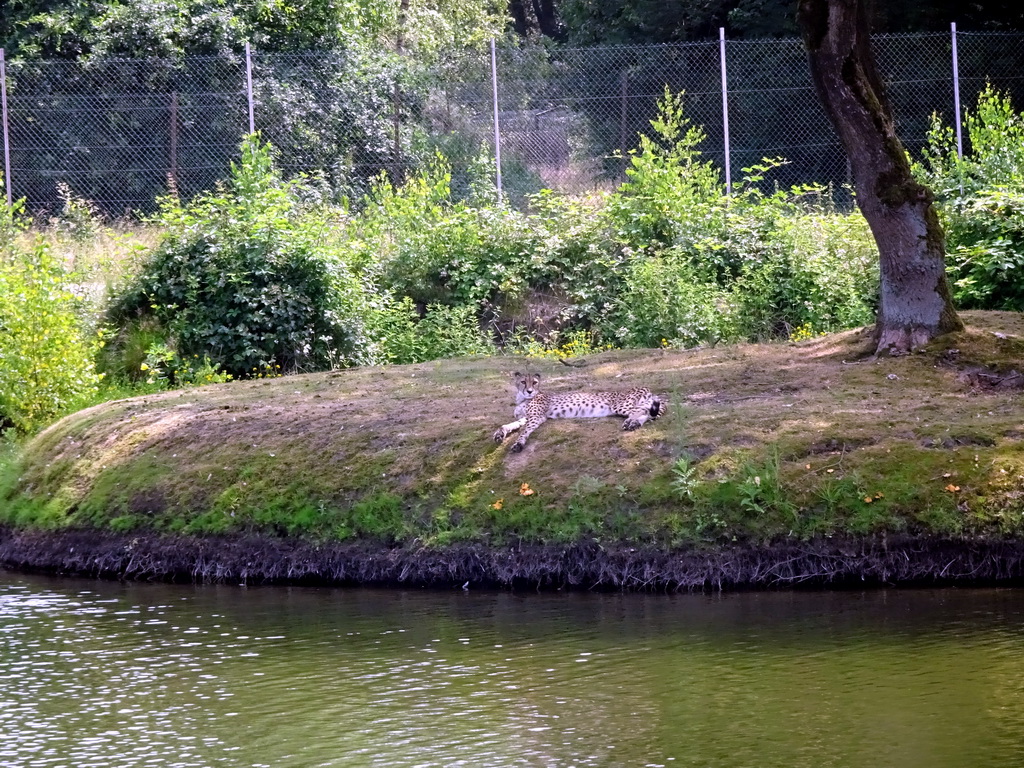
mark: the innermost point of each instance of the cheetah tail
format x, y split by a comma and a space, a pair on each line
658, 408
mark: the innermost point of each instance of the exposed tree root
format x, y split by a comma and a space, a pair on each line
252, 560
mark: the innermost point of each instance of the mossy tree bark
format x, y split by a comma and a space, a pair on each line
916, 304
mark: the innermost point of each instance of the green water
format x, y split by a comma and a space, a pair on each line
114, 675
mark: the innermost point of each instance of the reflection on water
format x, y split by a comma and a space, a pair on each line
99, 674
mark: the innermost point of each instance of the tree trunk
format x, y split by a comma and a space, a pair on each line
520, 23
915, 302
547, 19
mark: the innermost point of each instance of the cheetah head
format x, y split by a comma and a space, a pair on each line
527, 386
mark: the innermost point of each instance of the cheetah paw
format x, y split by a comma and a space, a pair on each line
499, 435
630, 424
517, 447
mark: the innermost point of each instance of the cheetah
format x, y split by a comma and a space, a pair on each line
533, 407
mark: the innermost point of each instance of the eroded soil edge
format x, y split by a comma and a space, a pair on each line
877, 561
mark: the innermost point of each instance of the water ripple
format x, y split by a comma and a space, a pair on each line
148, 675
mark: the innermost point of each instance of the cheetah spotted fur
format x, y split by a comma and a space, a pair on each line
534, 407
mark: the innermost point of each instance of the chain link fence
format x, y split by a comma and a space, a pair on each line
121, 132
117, 132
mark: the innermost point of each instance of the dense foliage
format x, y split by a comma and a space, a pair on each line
139, 27
667, 258
245, 276
46, 349
266, 276
342, 85
981, 202
609, 22
170, 29
262, 277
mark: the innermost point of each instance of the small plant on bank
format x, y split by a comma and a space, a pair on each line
164, 366
803, 333
559, 346
750, 498
684, 478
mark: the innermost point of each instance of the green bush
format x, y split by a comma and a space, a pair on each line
250, 278
671, 196
803, 266
406, 337
578, 260
995, 151
667, 303
980, 198
704, 266
46, 356
437, 251
985, 249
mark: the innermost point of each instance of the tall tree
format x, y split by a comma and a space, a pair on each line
540, 15
915, 303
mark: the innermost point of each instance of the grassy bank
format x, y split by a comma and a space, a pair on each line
762, 445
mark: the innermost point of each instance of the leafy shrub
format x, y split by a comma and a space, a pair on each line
247, 276
985, 246
705, 266
442, 332
837, 258
980, 199
666, 302
436, 251
577, 257
671, 196
995, 139
804, 265
46, 356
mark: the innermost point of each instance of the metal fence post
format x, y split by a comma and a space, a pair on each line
173, 173
956, 95
248, 88
725, 110
396, 128
3, 117
623, 116
497, 131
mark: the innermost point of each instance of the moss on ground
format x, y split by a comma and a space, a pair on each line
761, 443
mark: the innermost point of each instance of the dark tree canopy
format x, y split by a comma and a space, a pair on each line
540, 16
915, 303
590, 22
71, 28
